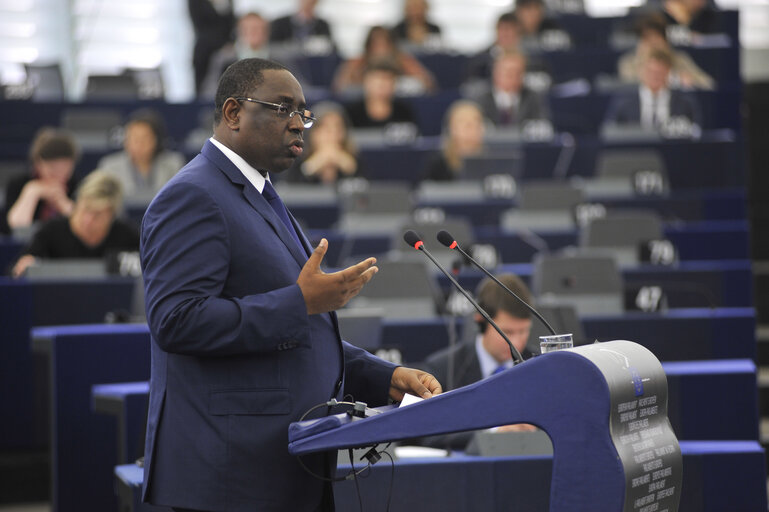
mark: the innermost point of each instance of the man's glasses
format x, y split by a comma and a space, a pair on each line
285, 110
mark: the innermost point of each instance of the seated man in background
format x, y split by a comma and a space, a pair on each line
144, 165
252, 40
487, 354
91, 230
509, 103
652, 35
45, 192
654, 106
300, 27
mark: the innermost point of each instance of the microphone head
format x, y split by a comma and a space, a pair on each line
446, 239
412, 239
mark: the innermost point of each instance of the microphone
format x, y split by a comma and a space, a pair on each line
446, 239
414, 240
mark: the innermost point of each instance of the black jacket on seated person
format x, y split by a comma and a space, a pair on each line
359, 118
467, 370
55, 240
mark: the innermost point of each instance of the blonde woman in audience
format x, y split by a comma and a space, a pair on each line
45, 192
380, 46
464, 130
330, 152
144, 165
91, 230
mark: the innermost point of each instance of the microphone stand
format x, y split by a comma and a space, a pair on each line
413, 240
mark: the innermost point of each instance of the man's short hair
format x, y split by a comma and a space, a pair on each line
508, 17
239, 79
493, 298
529, 3
51, 144
103, 188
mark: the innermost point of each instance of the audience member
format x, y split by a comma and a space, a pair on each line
532, 22
507, 39
330, 154
415, 30
212, 21
651, 31
380, 46
300, 27
696, 15
379, 107
509, 103
252, 40
654, 104
144, 165
91, 230
45, 192
488, 353
463, 133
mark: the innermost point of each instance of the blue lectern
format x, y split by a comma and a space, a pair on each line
604, 407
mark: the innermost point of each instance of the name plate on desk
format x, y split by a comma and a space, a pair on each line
639, 426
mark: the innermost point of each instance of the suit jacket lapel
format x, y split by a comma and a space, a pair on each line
258, 202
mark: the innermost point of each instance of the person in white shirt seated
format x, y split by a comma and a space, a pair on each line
488, 353
654, 106
508, 103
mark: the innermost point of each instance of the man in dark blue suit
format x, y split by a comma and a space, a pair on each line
244, 335
653, 106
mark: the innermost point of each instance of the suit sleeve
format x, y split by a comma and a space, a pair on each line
185, 253
367, 377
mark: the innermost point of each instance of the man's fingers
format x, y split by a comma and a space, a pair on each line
317, 255
355, 271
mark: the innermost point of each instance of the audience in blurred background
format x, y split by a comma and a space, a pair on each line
330, 154
654, 104
379, 107
380, 47
90, 231
415, 31
252, 40
43, 193
651, 31
463, 132
301, 27
144, 165
212, 21
696, 15
508, 103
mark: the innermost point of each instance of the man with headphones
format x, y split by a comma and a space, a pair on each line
487, 353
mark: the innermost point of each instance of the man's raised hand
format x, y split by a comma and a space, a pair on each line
327, 292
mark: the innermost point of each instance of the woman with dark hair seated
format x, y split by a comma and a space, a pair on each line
144, 165
380, 46
45, 192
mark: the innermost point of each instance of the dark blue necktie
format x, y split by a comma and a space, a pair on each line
500, 369
272, 197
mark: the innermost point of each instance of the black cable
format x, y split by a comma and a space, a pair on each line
352, 474
392, 477
355, 477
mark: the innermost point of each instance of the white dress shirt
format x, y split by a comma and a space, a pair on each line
251, 174
655, 108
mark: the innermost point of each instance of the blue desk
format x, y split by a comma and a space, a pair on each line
83, 443
24, 304
718, 476
127, 402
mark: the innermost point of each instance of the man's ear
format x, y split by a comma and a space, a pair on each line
231, 113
